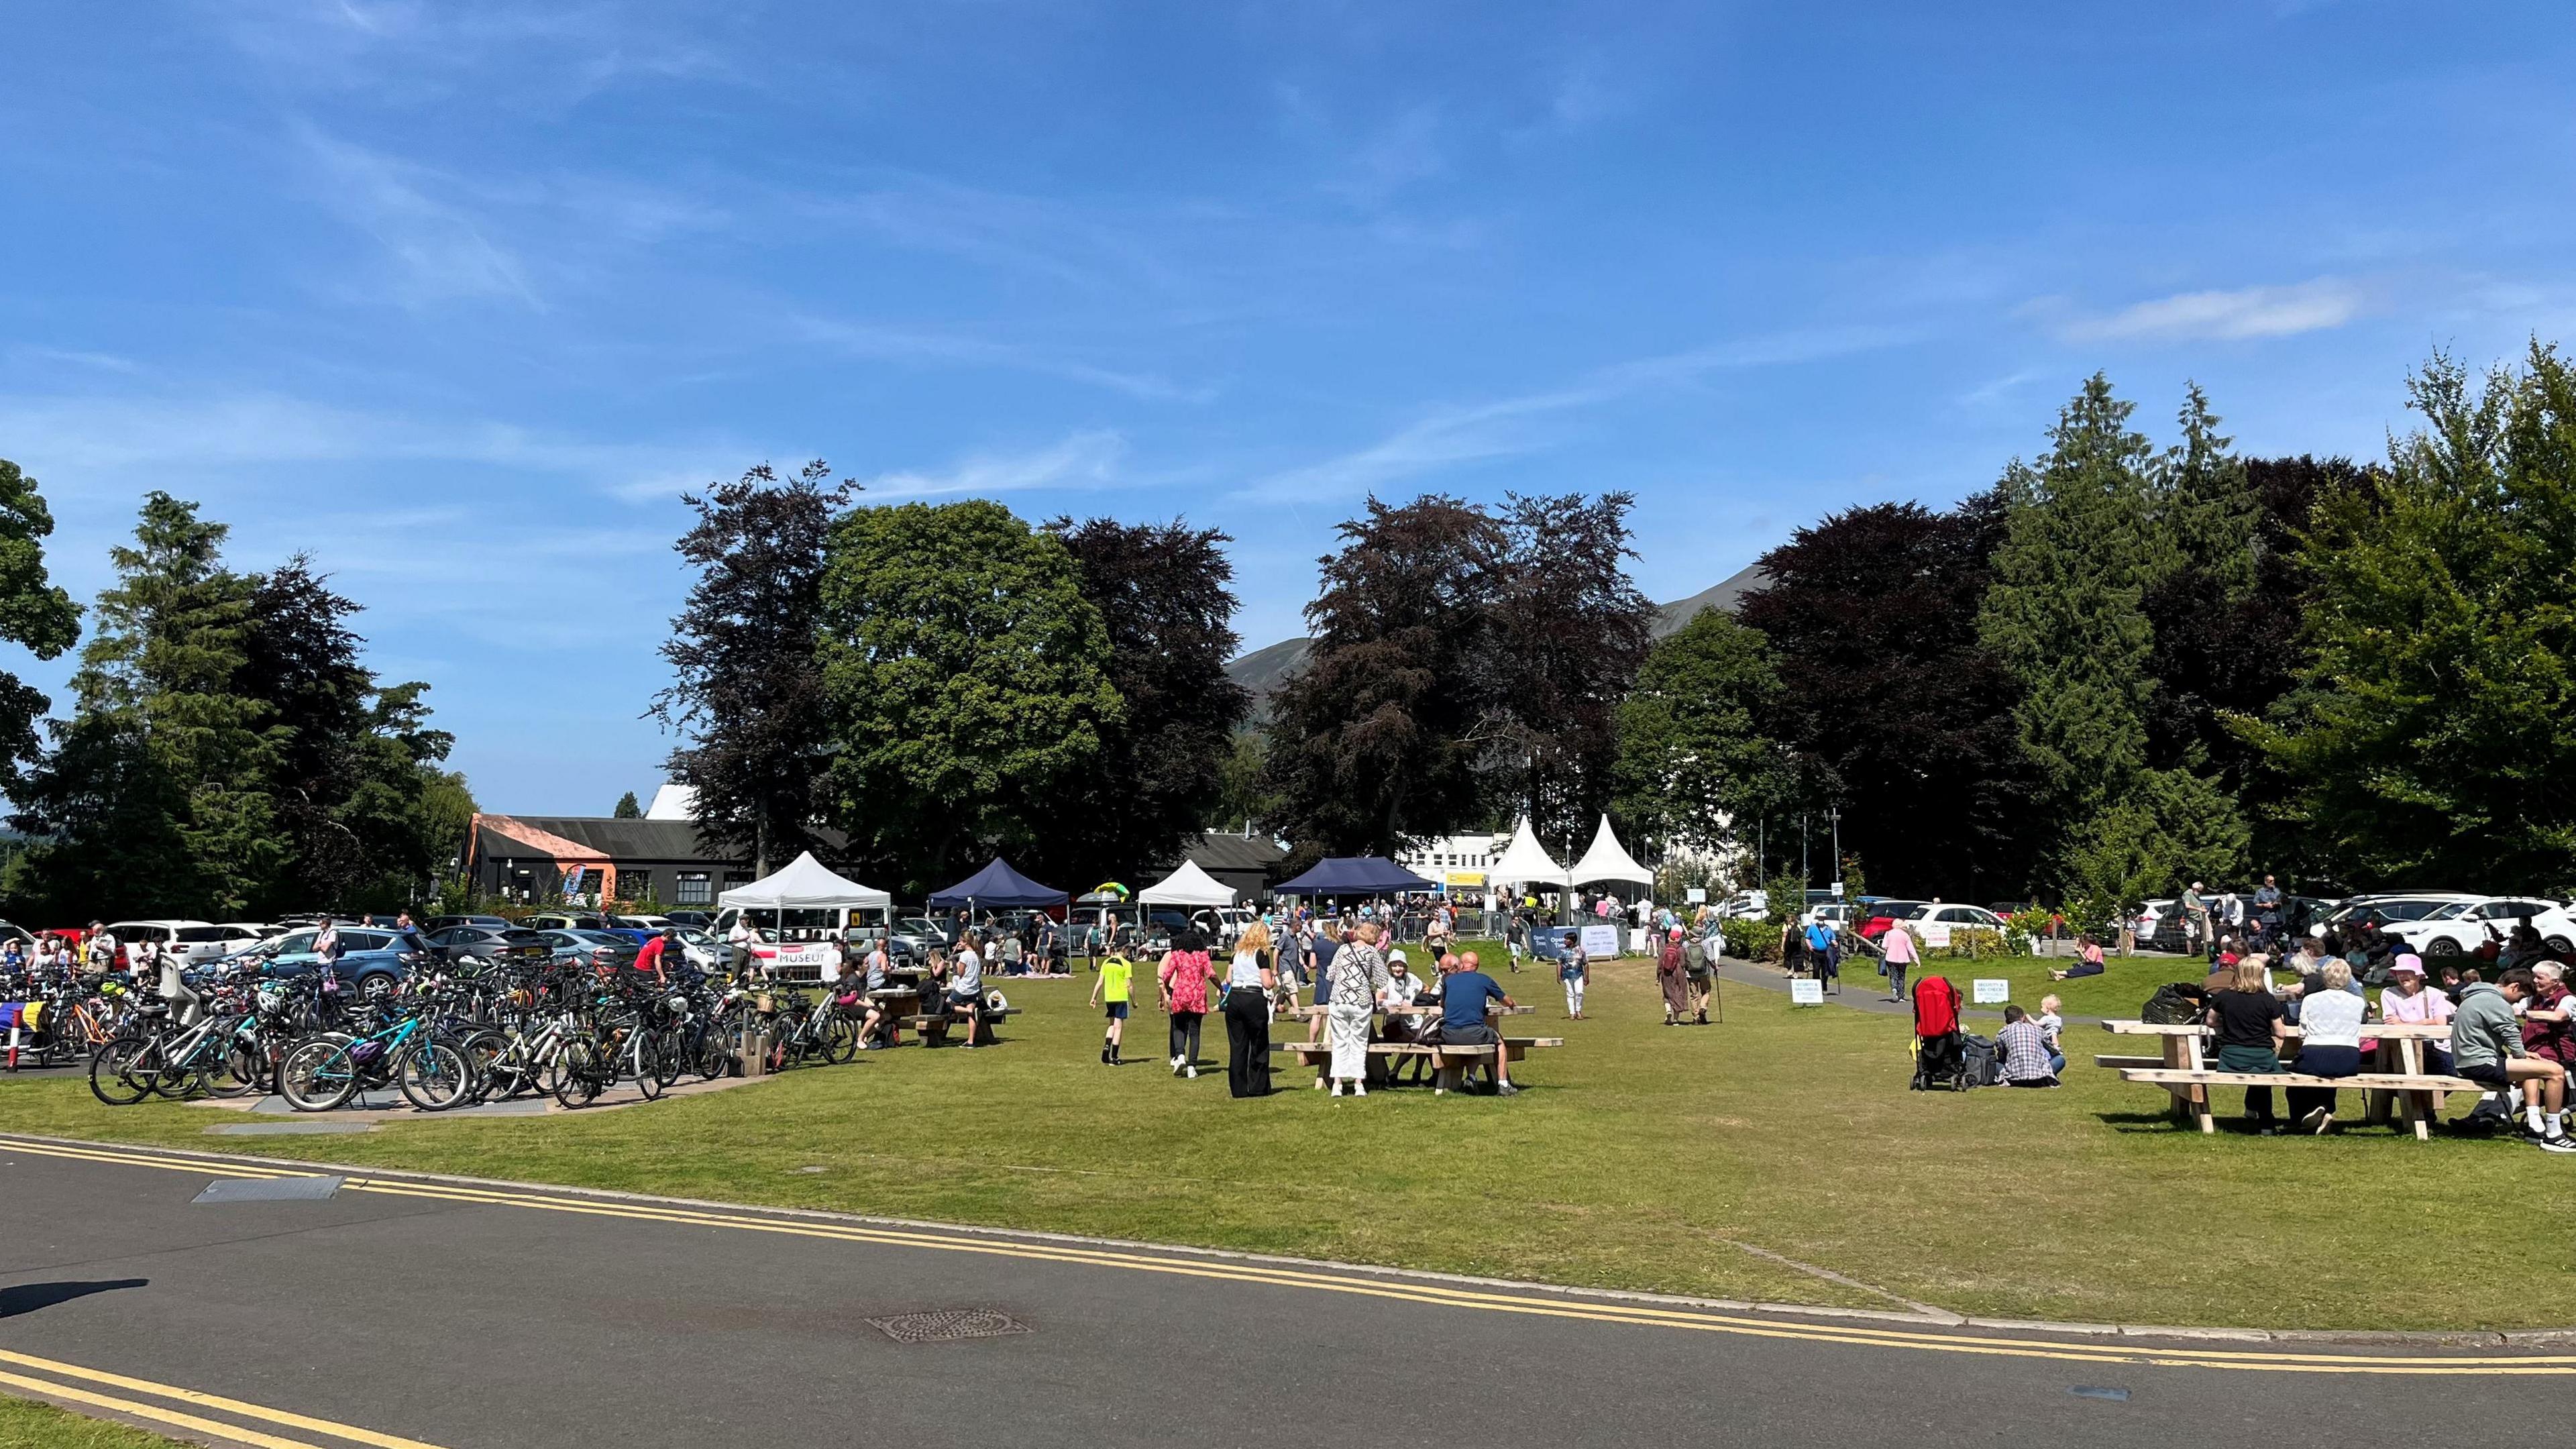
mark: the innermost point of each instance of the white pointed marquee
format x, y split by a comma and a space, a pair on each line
1606, 860
1526, 862
805, 883
1188, 886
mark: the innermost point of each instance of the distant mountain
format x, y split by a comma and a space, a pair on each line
1261, 670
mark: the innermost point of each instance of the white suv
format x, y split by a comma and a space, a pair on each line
2462, 926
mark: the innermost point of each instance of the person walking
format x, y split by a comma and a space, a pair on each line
1899, 953
1249, 981
1574, 969
1669, 977
1359, 976
1184, 976
1111, 988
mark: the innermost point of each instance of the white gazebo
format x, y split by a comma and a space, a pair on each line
1526, 862
1188, 886
1607, 860
805, 884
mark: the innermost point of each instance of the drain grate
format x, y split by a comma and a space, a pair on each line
948, 1325
269, 1189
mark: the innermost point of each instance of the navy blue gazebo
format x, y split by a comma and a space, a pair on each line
1354, 875
996, 887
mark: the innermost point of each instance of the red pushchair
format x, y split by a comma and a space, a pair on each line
1940, 1056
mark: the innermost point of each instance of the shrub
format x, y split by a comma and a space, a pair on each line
1750, 940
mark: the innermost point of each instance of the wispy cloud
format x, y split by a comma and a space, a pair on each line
1449, 436
896, 344
546, 54
1403, 151
438, 252
1082, 460
2247, 312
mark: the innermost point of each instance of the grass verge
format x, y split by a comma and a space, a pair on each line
25, 1424
1641, 1157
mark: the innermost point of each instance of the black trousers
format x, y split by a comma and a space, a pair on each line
1247, 1042
1185, 1034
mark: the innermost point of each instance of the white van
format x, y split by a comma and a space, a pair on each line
790, 938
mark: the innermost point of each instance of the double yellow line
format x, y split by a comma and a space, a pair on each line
1393, 1289
73, 1386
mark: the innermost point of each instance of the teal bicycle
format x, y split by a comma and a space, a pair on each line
322, 1072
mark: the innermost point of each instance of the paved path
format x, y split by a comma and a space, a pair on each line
412, 1313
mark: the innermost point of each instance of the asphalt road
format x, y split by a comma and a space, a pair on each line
404, 1312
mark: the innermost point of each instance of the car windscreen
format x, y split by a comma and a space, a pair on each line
522, 938
2447, 910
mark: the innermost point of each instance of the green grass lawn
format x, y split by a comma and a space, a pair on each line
2120, 990
1641, 1157
28, 1425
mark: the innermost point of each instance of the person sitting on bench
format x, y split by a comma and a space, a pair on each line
1403, 1028
1464, 994
2329, 1043
966, 986
2486, 1048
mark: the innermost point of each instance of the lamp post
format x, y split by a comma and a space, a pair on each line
1834, 817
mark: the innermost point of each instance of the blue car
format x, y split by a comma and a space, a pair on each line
373, 961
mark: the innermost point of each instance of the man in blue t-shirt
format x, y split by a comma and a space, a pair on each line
1464, 995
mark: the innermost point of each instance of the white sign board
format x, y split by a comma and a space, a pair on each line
1838, 890
1806, 991
1601, 942
1936, 933
1696, 895
802, 953
1638, 936
1990, 992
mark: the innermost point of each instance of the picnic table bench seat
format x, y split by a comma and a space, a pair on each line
1452, 1059
2402, 1082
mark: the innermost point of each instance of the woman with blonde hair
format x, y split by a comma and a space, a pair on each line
2329, 1044
1249, 982
2250, 1031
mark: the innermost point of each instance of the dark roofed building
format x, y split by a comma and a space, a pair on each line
528, 857
1250, 864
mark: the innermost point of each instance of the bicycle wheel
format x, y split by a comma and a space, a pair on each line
242, 1071
644, 1058
672, 1045
715, 1055
483, 1050
317, 1075
112, 1077
580, 1071
434, 1075
840, 1040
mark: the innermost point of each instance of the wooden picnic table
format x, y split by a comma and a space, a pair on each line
2182, 1070
1450, 1061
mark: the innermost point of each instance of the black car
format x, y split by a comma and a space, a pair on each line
441, 923
477, 945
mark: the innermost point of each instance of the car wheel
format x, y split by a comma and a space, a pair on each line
376, 987
2441, 946
2560, 947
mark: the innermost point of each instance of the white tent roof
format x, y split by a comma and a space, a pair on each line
673, 802
807, 883
1188, 886
1526, 862
1607, 861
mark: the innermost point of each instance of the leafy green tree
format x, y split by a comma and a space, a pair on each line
35, 614
747, 692
967, 679
1240, 797
2096, 524
155, 799
1163, 594
628, 808
1695, 768
2434, 736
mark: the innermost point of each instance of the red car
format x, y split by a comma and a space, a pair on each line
1883, 914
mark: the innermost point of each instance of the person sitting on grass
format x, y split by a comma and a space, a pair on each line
2486, 1048
2329, 1043
2026, 1053
2088, 961
2250, 1031
1464, 995
2053, 1022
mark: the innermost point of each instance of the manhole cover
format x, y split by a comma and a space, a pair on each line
948, 1325
269, 1189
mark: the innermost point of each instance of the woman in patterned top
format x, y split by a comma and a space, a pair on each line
1359, 976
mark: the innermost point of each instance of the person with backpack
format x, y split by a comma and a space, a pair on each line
1697, 972
1668, 975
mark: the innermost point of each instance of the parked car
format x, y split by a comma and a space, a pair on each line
252, 930
699, 919
2463, 926
599, 949
2394, 906
1885, 912
1744, 905
469, 945
1836, 914
441, 923
1958, 917
20, 934
374, 962
196, 942
562, 921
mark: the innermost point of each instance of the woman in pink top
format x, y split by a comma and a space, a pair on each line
2408, 1000
1898, 943
1185, 975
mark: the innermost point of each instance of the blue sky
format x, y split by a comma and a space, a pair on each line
460, 296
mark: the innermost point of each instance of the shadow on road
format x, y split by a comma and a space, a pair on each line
28, 1297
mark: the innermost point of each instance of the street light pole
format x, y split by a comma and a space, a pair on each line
1834, 817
